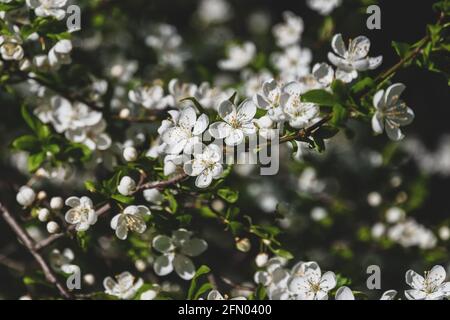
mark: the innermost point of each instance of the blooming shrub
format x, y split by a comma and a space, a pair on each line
147, 159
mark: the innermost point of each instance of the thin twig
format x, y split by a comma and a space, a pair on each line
30, 245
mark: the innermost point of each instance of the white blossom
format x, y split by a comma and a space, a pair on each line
344, 293
126, 186
352, 59
431, 287
176, 251
292, 63
130, 154
186, 132
56, 203
43, 214
131, 219
299, 114
214, 11
60, 53
238, 57
124, 286
82, 214
48, 8
237, 122
11, 47
312, 285
150, 97
52, 227
269, 100
324, 7
206, 165
26, 196
391, 113
289, 32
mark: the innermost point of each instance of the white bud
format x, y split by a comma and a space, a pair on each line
243, 245
89, 279
124, 113
444, 233
378, 230
26, 196
153, 196
140, 265
374, 199
52, 227
318, 214
394, 215
126, 186
130, 154
43, 215
41, 195
261, 259
56, 203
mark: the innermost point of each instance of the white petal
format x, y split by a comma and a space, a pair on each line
378, 101
414, 280
163, 265
227, 110
393, 93
377, 124
184, 267
359, 47
201, 125
235, 137
203, 180
220, 130
328, 281
375, 62
246, 111
163, 244
436, 276
394, 133
194, 247
114, 221
415, 295
344, 293
73, 202
338, 45
389, 295
187, 118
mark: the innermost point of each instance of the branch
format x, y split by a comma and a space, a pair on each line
161, 184
30, 245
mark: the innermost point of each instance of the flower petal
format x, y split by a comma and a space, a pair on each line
184, 267
393, 93
338, 45
162, 243
344, 293
246, 111
200, 125
163, 265
220, 130
414, 280
73, 202
227, 110
377, 124
187, 119
194, 247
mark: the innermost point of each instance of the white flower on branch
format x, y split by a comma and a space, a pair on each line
353, 59
26, 196
176, 251
186, 132
124, 286
431, 287
238, 57
206, 165
324, 7
150, 97
269, 100
82, 214
48, 8
289, 32
60, 54
391, 113
299, 114
292, 63
237, 124
126, 186
11, 47
131, 219
311, 284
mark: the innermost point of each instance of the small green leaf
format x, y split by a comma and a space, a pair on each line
283, 253
192, 289
320, 97
123, 199
27, 143
401, 48
230, 196
35, 161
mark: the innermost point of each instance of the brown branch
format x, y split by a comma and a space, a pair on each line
30, 245
161, 184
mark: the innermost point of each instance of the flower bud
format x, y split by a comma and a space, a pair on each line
124, 113
41, 195
26, 196
126, 186
130, 154
56, 203
89, 279
140, 265
243, 245
261, 259
43, 215
153, 196
52, 227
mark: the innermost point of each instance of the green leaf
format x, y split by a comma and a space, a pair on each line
35, 161
192, 289
401, 48
123, 199
340, 115
90, 186
364, 84
283, 253
320, 97
29, 119
205, 287
230, 196
27, 143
